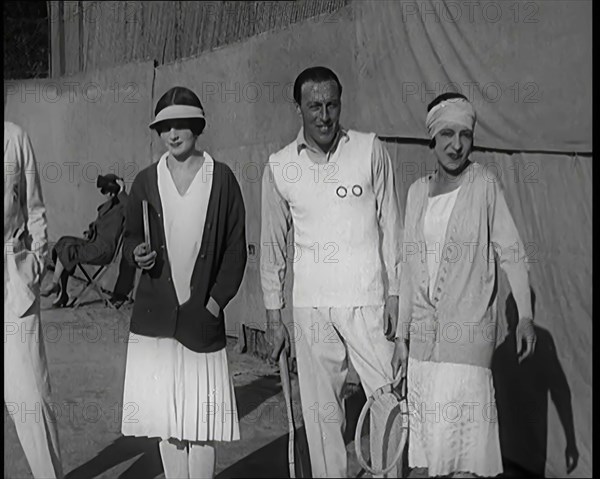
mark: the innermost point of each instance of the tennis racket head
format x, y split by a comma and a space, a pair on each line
397, 390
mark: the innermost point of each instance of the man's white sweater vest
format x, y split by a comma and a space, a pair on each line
336, 234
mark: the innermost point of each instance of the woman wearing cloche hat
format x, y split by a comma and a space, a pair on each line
185, 229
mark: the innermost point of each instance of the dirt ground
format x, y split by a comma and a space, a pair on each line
86, 351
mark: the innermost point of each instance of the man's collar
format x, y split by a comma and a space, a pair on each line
302, 144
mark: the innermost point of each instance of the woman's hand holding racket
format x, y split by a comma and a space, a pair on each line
143, 257
390, 317
400, 358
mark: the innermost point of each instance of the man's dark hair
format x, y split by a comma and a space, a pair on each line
317, 75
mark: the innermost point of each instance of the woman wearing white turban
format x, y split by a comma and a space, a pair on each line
457, 227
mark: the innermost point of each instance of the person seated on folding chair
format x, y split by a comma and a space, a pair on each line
99, 244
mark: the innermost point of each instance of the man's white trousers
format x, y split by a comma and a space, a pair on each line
324, 340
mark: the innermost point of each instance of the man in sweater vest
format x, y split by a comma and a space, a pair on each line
336, 187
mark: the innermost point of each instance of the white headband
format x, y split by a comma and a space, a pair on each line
177, 112
453, 111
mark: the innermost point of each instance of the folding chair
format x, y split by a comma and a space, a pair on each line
93, 281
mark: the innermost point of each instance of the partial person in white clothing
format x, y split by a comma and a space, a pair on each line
336, 187
26, 380
177, 377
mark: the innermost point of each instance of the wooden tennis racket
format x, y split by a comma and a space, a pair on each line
397, 389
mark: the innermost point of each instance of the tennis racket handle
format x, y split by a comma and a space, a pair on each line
287, 393
285, 381
146, 224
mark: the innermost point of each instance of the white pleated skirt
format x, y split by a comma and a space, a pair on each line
173, 392
453, 419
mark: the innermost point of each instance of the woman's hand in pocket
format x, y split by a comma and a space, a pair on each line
213, 307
